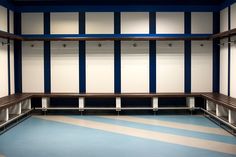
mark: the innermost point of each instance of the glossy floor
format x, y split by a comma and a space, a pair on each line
117, 136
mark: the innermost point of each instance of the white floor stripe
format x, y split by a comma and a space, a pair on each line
175, 125
169, 138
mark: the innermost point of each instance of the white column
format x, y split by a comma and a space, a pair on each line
155, 103
81, 103
190, 102
118, 104
45, 103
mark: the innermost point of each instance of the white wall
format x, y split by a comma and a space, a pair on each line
65, 67
32, 67
201, 66
170, 66
201, 22
99, 23
134, 66
169, 23
233, 16
11, 21
224, 67
100, 67
138, 19
3, 70
3, 18
233, 69
12, 74
32, 23
224, 20
64, 23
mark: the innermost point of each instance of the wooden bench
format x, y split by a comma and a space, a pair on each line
118, 100
217, 105
221, 106
13, 107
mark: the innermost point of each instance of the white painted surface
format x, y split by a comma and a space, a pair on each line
100, 67
201, 22
201, 66
32, 66
32, 23
134, 23
3, 69
81, 102
232, 116
11, 21
12, 68
65, 67
233, 16
170, 66
224, 67
64, 23
3, 18
99, 23
134, 66
233, 69
224, 20
170, 23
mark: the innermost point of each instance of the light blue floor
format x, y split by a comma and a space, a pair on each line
41, 138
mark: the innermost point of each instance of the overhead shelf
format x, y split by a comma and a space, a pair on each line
224, 34
112, 37
10, 36
104, 37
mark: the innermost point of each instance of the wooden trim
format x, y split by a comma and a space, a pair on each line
112, 38
10, 36
224, 34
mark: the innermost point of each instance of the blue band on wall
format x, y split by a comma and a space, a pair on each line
18, 54
82, 57
152, 53
8, 53
117, 54
187, 54
47, 55
229, 49
216, 53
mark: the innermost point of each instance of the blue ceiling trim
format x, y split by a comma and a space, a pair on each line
7, 4
117, 8
227, 3
112, 35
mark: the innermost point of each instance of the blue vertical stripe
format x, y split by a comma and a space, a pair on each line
216, 53
187, 54
8, 53
82, 57
18, 54
117, 54
229, 50
152, 53
47, 55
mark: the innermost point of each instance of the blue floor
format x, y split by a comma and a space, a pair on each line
35, 137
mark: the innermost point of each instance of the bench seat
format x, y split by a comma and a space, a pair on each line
221, 99
8, 101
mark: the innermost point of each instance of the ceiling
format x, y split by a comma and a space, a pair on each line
117, 2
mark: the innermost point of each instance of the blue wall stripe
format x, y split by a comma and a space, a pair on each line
8, 53
216, 53
82, 57
152, 53
229, 50
187, 54
117, 54
47, 55
17, 54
